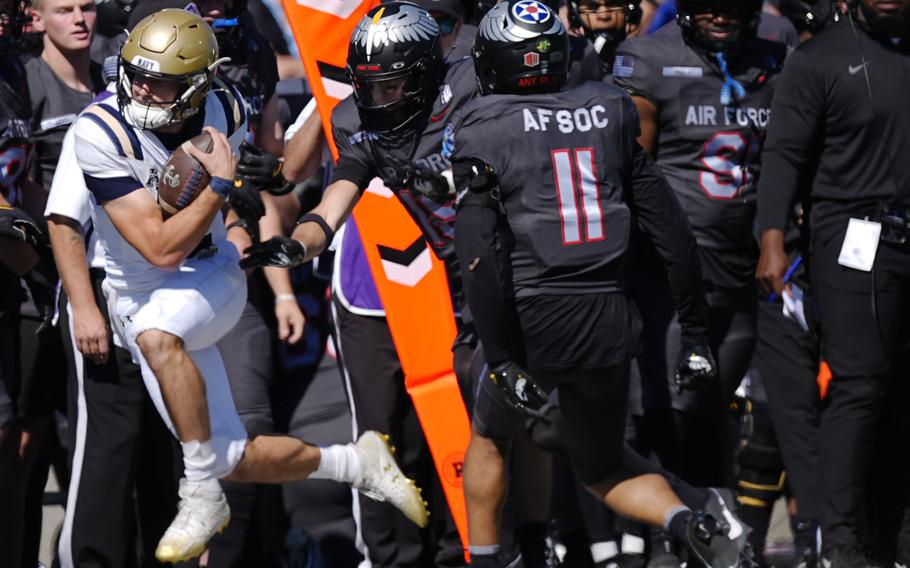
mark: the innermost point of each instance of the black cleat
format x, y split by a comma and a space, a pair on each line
716, 536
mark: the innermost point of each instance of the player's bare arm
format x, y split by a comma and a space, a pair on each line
647, 114
89, 328
313, 233
165, 244
303, 153
288, 316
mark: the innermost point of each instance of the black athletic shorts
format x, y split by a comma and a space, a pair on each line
581, 344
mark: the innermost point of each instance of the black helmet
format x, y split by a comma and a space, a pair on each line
747, 11
521, 47
602, 39
395, 47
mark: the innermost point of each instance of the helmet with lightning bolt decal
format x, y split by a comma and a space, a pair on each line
395, 64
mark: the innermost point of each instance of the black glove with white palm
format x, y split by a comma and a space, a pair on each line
695, 367
18, 225
262, 170
423, 181
277, 251
519, 389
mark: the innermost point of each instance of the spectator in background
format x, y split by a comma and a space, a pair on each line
457, 37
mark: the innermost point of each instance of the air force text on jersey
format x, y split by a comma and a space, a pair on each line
710, 115
567, 121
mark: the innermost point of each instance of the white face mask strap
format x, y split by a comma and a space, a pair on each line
214, 66
199, 80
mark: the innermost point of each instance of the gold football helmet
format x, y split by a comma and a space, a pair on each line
171, 45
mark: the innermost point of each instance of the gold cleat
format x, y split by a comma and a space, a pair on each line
382, 480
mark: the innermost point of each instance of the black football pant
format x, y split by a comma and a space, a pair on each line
374, 383
787, 361
247, 354
124, 461
702, 424
865, 325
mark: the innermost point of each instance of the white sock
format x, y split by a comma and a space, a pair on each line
338, 462
632, 544
604, 550
198, 461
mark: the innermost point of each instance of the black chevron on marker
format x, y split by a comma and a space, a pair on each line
403, 257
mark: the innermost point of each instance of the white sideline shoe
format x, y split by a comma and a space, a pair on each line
202, 512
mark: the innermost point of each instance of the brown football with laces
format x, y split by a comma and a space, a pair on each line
183, 178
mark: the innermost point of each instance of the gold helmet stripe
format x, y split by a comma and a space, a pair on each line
115, 127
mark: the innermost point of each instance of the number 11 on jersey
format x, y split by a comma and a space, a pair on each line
576, 180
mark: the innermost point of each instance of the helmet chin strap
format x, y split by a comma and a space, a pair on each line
199, 80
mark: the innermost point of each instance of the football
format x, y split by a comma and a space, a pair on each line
183, 177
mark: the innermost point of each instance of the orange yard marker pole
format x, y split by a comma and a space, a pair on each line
410, 279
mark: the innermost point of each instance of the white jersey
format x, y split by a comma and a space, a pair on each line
70, 198
117, 159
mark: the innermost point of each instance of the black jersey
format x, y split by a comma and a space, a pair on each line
15, 128
571, 182
561, 161
362, 155
570, 175
253, 69
54, 106
709, 152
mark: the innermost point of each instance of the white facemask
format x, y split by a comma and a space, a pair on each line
143, 116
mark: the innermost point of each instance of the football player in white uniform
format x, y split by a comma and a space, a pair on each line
174, 286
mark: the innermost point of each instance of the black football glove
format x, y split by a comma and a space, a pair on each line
695, 368
18, 225
262, 170
42, 284
246, 202
519, 389
421, 180
277, 251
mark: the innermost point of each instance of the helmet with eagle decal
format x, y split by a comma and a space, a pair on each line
395, 64
521, 47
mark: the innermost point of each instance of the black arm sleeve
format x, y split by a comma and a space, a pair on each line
485, 270
660, 214
796, 112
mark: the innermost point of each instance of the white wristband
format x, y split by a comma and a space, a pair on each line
285, 298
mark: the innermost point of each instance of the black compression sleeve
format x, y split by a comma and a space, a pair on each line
653, 202
487, 282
